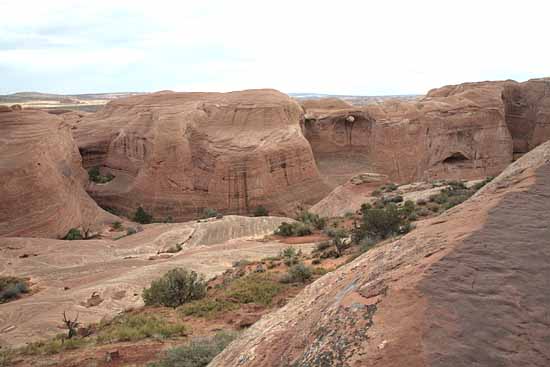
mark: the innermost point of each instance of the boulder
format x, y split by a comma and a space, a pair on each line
176, 154
42, 178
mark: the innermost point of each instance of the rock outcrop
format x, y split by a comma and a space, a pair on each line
466, 288
41, 178
454, 132
178, 153
528, 113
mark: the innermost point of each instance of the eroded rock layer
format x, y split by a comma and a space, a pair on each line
178, 153
41, 178
465, 288
454, 132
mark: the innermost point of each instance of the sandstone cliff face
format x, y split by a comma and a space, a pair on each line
177, 153
466, 288
528, 113
454, 132
41, 178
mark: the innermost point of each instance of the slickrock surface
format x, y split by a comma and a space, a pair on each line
65, 274
41, 178
467, 288
178, 153
454, 132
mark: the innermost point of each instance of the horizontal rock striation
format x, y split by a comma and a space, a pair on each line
178, 153
41, 178
454, 132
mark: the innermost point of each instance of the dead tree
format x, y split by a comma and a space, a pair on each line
71, 325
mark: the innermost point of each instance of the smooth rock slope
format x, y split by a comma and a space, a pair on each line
41, 178
467, 288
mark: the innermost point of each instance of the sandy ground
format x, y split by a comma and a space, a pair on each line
99, 278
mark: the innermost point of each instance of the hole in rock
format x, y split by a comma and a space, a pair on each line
455, 158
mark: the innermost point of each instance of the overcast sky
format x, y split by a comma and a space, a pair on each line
339, 46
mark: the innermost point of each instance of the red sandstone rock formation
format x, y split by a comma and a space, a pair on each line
454, 132
466, 288
528, 113
178, 153
41, 178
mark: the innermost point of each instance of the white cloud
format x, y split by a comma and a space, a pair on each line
361, 47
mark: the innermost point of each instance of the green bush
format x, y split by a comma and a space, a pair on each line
254, 288
175, 288
95, 176
130, 327
11, 288
142, 216
210, 213
207, 308
116, 225
381, 223
298, 273
198, 353
293, 229
312, 219
322, 246
260, 211
73, 234
289, 256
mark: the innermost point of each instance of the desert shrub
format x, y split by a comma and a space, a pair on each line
197, 353
260, 211
55, 345
210, 213
312, 219
73, 234
376, 193
408, 208
11, 288
320, 246
456, 185
135, 327
389, 187
293, 229
336, 232
207, 307
116, 225
254, 288
175, 288
95, 176
141, 216
381, 223
393, 199
440, 198
298, 273
434, 207
289, 256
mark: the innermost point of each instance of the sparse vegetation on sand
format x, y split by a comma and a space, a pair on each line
197, 353
12, 288
176, 287
133, 327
